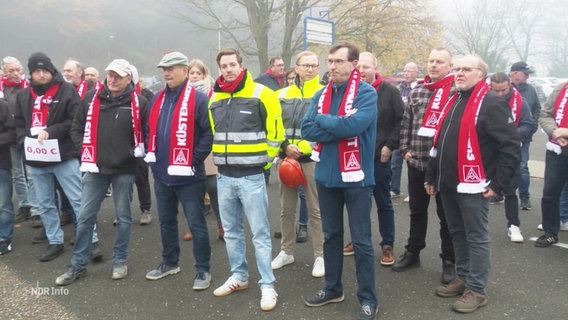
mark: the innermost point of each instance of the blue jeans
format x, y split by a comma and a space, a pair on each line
385, 211
191, 197
246, 195
95, 186
467, 217
555, 178
396, 168
23, 185
69, 176
303, 207
358, 203
6, 206
564, 204
525, 180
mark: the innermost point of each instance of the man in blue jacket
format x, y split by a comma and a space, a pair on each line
342, 120
180, 139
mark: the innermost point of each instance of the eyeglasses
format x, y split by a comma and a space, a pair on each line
464, 69
336, 61
307, 66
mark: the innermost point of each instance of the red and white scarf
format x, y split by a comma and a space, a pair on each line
89, 148
82, 88
560, 117
348, 149
437, 101
40, 110
471, 174
181, 132
516, 105
5, 82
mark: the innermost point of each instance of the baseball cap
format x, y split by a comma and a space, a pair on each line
120, 66
521, 66
173, 59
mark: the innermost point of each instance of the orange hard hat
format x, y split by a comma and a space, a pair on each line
291, 173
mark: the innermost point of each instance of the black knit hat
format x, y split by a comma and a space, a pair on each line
40, 60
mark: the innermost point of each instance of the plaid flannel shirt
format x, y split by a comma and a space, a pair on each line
410, 141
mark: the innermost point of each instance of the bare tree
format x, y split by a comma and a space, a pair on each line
248, 23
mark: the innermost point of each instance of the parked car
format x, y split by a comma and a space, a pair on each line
546, 84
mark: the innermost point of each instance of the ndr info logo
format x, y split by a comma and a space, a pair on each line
48, 291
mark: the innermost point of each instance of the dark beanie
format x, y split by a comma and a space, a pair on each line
39, 60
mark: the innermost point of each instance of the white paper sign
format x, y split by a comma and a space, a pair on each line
47, 151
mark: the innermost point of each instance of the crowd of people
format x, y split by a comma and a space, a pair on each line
69, 139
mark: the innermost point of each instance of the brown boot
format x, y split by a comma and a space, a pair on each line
220, 231
188, 236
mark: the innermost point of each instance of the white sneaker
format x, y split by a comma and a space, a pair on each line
515, 234
407, 199
319, 268
394, 195
281, 260
563, 226
269, 299
230, 286
539, 227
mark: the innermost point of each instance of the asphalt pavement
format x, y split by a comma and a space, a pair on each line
525, 283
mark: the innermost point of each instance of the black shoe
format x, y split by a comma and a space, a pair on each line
53, 251
277, 234
96, 252
368, 312
36, 222
23, 214
545, 241
321, 298
448, 271
302, 235
406, 261
5, 247
526, 204
497, 199
65, 218
41, 237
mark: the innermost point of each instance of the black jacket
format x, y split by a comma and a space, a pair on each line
115, 140
61, 112
7, 136
498, 141
390, 111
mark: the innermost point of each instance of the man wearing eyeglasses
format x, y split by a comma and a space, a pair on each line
475, 154
295, 100
418, 126
274, 75
342, 121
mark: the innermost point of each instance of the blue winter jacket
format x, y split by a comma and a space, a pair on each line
328, 129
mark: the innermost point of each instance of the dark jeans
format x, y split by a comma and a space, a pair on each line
143, 185
358, 203
512, 202
396, 168
385, 211
211, 188
419, 202
191, 198
555, 177
303, 219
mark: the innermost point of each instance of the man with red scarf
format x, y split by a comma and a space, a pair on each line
13, 81
179, 141
108, 128
501, 85
274, 75
246, 120
342, 121
475, 153
554, 121
418, 126
390, 109
45, 110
